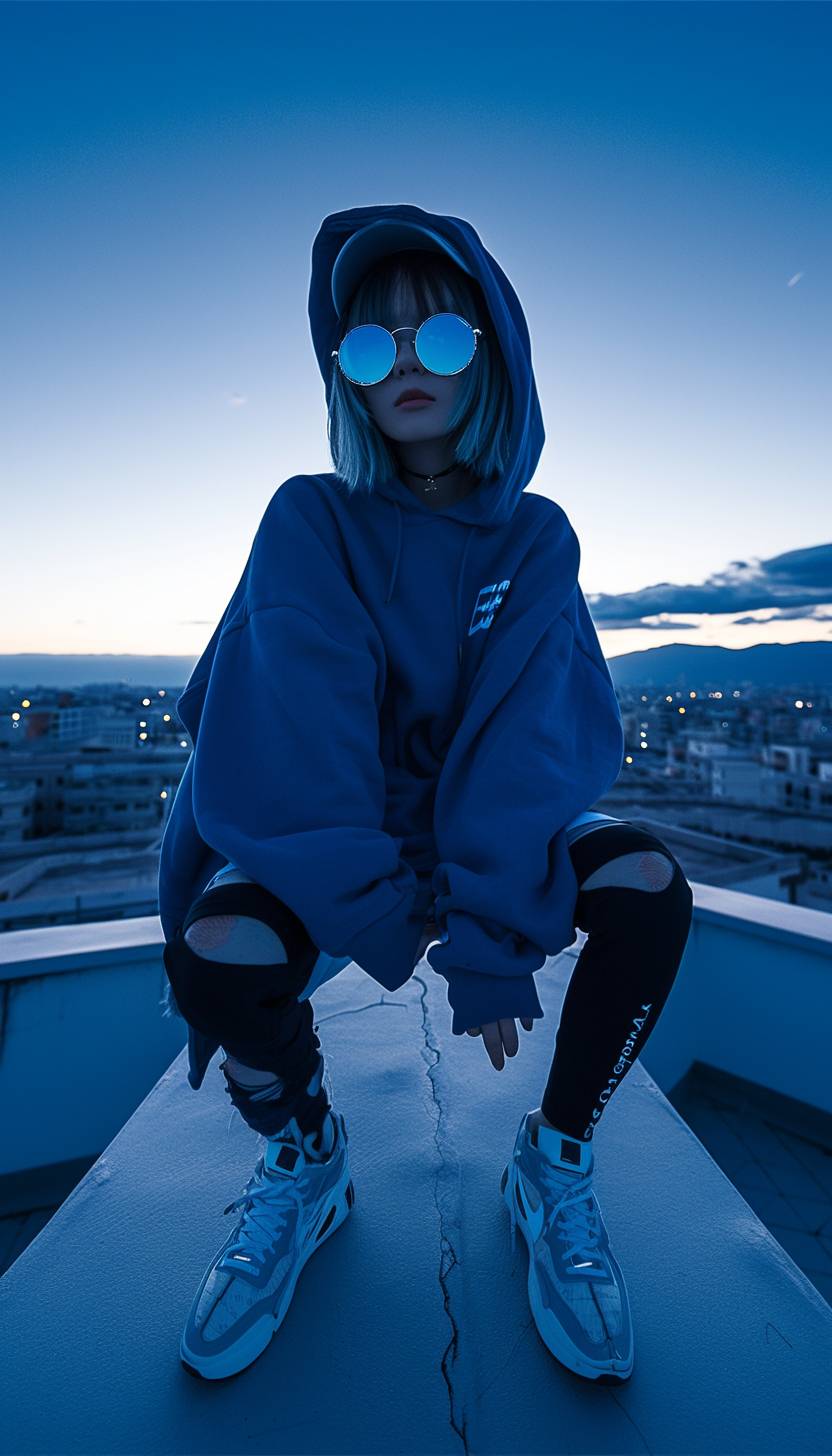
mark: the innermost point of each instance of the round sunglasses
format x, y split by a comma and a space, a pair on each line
444, 344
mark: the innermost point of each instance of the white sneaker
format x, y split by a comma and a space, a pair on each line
576, 1289
291, 1204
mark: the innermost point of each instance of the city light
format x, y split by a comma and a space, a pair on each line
681, 710
142, 724
25, 703
142, 735
628, 758
799, 703
163, 794
183, 743
166, 717
145, 702
161, 692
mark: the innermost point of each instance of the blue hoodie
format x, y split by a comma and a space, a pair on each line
403, 706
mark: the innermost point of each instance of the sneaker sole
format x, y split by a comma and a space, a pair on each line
258, 1337
552, 1333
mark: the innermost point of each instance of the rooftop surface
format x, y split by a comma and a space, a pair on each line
410, 1330
777, 1154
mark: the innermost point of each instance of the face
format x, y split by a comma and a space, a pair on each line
423, 421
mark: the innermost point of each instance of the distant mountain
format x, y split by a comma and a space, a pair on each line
798, 665
29, 670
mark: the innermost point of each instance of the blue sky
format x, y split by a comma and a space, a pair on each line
654, 178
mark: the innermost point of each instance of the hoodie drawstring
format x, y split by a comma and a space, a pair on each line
471, 531
395, 571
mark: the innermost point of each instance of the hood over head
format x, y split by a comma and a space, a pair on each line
495, 499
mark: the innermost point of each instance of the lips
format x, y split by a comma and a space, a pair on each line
413, 394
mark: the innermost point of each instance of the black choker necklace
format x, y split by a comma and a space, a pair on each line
432, 478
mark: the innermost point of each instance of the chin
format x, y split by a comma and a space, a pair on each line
408, 429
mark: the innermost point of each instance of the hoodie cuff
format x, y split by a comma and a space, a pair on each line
477, 999
387, 948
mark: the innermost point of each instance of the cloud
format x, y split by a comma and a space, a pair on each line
195, 622
786, 614
657, 624
235, 400
794, 584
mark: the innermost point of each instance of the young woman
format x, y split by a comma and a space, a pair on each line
400, 725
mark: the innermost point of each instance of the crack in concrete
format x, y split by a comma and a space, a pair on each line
447, 1174
357, 1010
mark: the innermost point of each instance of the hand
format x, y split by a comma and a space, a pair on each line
500, 1035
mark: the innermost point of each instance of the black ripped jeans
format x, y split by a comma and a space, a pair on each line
255, 1012
633, 902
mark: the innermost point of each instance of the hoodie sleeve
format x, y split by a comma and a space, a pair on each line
287, 781
540, 740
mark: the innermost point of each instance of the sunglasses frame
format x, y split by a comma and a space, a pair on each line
336, 353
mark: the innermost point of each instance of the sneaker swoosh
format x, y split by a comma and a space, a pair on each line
535, 1216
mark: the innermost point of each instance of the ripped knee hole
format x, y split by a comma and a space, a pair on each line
640, 870
235, 938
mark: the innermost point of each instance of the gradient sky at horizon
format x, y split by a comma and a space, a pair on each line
654, 179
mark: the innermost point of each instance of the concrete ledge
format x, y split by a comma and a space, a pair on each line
82, 1037
50, 949
410, 1330
752, 997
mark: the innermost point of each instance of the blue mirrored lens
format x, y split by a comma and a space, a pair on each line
445, 343
367, 354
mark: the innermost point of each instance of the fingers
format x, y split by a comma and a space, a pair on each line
500, 1039
527, 1022
508, 1031
492, 1037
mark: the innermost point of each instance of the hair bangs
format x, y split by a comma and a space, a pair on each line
480, 423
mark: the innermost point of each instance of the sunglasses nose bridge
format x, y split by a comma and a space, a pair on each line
404, 340
405, 334
406, 349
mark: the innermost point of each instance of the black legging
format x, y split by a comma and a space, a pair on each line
636, 937
623, 976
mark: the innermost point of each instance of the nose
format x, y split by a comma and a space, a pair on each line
406, 356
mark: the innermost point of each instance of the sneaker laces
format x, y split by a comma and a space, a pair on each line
574, 1207
577, 1212
263, 1217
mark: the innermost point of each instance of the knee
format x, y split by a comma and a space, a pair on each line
674, 903
235, 939
661, 871
646, 867
676, 879
225, 985
645, 864
222, 1000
